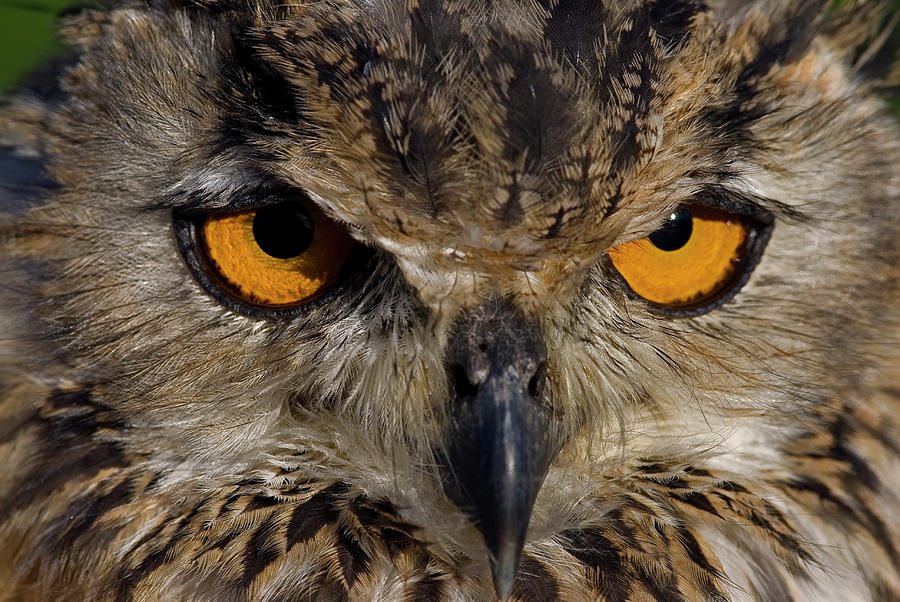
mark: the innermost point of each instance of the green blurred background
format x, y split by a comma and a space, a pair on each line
27, 34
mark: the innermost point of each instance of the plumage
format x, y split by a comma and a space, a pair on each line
473, 399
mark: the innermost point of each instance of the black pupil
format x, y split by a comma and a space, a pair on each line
675, 232
284, 230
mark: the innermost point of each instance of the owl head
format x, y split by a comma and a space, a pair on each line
484, 260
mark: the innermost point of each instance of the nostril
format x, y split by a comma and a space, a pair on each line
464, 387
536, 383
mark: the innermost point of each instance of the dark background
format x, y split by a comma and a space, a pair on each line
27, 34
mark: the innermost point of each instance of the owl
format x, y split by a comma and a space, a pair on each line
452, 300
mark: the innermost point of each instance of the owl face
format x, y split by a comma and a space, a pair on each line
482, 260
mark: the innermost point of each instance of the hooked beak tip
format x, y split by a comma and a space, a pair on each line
503, 569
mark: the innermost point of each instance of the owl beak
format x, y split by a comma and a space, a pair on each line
498, 442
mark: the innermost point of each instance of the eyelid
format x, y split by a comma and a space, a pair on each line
725, 199
243, 202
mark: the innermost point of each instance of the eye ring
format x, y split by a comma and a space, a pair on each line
756, 228
192, 231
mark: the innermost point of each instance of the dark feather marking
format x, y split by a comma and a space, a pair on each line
534, 583
577, 27
261, 551
662, 585
661, 533
414, 134
338, 77
427, 589
256, 481
697, 500
860, 472
379, 515
395, 541
143, 543
867, 519
229, 502
401, 125
308, 518
536, 121
87, 416
881, 432
784, 535
692, 547
418, 162
602, 560
556, 226
379, 518
763, 523
436, 31
624, 530
672, 19
261, 99
328, 589
773, 512
580, 186
84, 511
730, 123
385, 138
636, 54
698, 472
260, 501
374, 511
221, 543
574, 28
627, 147
811, 485
67, 423
732, 486
130, 576
876, 526
709, 573
511, 211
334, 76
353, 559
652, 469
784, 42
624, 52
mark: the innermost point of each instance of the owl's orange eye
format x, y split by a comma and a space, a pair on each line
276, 256
697, 258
